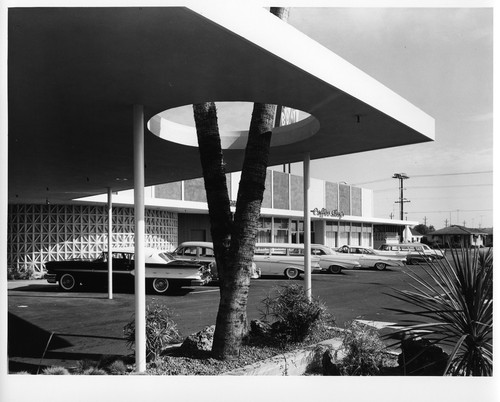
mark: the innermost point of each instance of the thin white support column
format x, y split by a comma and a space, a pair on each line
110, 244
307, 227
140, 269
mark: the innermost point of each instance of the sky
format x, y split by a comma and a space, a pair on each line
441, 60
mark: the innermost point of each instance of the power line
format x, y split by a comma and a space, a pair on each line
429, 175
450, 186
451, 210
451, 174
456, 185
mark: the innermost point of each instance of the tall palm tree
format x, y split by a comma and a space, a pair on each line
234, 237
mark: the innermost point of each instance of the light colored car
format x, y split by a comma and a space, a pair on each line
202, 252
331, 261
413, 252
282, 259
369, 258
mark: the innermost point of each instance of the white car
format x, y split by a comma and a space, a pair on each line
283, 259
331, 261
202, 252
413, 252
369, 258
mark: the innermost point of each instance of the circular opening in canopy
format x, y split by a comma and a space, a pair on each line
177, 125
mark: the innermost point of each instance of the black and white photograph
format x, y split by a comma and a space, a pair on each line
214, 200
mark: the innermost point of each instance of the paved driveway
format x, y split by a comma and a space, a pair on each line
88, 325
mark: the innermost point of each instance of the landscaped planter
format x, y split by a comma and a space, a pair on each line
291, 363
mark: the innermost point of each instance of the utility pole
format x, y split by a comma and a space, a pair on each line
402, 177
446, 223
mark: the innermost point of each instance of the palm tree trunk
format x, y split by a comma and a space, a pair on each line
234, 262
232, 324
214, 174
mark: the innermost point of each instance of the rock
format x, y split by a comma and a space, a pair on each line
259, 328
200, 341
329, 363
316, 363
420, 357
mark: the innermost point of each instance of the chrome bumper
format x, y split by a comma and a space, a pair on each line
51, 278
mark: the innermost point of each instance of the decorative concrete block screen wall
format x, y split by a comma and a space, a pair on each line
41, 233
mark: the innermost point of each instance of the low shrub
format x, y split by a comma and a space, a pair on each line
363, 351
118, 367
25, 274
161, 330
84, 365
55, 370
294, 317
94, 371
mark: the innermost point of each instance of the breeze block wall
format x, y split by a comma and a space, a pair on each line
41, 233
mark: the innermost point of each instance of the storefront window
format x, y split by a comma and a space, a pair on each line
297, 232
264, 230
281, 230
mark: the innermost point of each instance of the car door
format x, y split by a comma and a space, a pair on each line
348, 253
187, 253
366, 260
262, 259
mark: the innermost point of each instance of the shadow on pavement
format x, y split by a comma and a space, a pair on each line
28, 340
31, 348
98, 289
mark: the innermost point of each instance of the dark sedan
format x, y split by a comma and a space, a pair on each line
162, 271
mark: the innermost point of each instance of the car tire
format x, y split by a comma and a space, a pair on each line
335, 269
292, 273
68, 282
380, 266
160, 285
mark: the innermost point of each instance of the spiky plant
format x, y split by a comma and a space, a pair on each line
161, 330
454, 304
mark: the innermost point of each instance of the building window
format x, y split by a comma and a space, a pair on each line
297, 231
281, 230
264, 230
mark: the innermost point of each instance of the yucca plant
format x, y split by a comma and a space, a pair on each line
454, 309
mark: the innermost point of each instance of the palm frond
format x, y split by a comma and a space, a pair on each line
451, 304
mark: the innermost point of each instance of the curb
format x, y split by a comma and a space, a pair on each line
287, 364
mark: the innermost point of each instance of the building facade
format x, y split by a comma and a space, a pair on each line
176, 212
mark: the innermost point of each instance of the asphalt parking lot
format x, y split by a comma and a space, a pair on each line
49, 327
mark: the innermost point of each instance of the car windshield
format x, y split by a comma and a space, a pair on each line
166, 256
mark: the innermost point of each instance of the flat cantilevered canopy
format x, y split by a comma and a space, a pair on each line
74, 75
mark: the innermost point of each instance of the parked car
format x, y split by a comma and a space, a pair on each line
331, 261
202, 252
413, 252
282, 259
162, 271
369, 258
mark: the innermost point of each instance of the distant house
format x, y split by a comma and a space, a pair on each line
456, 236
489, 237
416, 236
